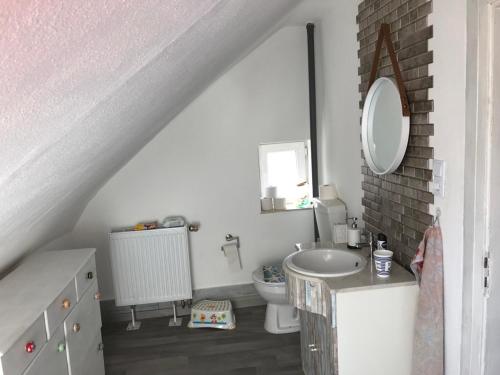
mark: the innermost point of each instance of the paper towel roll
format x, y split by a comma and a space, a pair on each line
271, 192
232, 256
328, 192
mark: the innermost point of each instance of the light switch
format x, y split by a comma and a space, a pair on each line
438, 177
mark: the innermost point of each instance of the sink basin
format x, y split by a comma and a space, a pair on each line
326, 262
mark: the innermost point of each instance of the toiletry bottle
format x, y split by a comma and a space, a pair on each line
381, 241
353, 235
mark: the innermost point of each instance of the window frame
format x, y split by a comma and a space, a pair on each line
302, 149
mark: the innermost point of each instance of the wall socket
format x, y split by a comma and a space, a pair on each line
438, 177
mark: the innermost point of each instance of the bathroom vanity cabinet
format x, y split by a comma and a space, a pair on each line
357, 324
50, 320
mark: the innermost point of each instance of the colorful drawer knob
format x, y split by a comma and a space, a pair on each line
61, 347
90, 275
66, 304
30, 347
76, 327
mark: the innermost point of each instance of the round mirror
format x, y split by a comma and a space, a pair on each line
384, 129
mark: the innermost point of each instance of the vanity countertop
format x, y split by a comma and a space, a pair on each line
365, 279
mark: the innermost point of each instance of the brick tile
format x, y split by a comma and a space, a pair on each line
422, 129
417, 36
370, 188
370, 204
416, 162
417, 140
418, 95
425, 9
398, 204
419, 84
422, 106
414, 4
425, 197
373, 214
420, 152
413, 50
419, 118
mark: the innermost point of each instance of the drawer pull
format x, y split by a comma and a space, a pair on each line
76, 327
90, 275
100, 347
66, 304
313, 349
30, 347
97, 296
61, 347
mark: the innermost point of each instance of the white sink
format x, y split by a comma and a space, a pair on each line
326, 262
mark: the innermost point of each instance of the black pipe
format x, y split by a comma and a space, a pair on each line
312, 116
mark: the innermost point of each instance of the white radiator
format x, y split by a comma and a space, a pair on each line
150, 266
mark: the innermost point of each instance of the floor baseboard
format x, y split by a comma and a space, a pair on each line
242, 295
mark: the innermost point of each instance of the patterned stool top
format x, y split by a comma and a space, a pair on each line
207, 305
273, 274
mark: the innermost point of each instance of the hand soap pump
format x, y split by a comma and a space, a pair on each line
353, 235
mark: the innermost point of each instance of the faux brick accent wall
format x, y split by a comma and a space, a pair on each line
398, 204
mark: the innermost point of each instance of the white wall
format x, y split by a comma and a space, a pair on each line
84, 86
339, 145
204, 166
449, 71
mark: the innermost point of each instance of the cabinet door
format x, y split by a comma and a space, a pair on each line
325, 338
316, 344
25, 349
94, 360
305, 340
60, 308
52, 357
310, 343
81, 327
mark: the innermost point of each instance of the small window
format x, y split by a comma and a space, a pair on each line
287, 167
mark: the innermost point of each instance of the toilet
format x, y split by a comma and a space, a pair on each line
280, 316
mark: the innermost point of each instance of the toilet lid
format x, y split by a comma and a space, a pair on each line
258, 277
273, 274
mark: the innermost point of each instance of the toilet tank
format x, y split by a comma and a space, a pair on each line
328, 213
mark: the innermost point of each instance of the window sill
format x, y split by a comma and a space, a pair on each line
285, 210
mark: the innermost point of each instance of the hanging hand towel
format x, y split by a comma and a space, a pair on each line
428, 349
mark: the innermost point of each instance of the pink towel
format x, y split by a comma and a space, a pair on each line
428, 349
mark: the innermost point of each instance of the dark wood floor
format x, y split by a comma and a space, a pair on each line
159, 349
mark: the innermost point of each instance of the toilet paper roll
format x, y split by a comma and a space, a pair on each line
271, 192
328, 192
232, 256
280, 203
266, 204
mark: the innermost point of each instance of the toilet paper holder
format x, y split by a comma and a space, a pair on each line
230, 237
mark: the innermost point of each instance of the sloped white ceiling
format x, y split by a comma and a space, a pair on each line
84, 85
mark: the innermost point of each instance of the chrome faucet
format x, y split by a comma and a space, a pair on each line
369, 244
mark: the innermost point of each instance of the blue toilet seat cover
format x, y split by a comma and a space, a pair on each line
273, 274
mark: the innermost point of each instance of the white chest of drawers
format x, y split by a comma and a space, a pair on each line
50, 319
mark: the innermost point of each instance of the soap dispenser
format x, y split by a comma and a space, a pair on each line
353, 235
